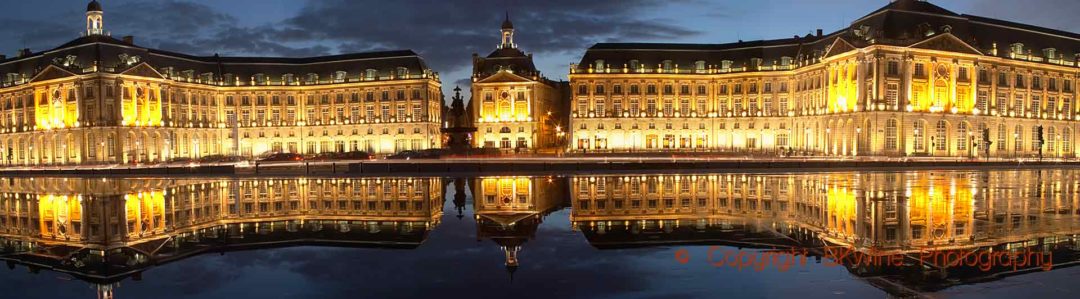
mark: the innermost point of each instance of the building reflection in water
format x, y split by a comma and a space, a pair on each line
105, 230
906, 214
510, 209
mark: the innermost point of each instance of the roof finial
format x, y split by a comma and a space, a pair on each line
506, 22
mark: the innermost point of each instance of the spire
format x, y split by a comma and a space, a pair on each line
507, 33
506, 22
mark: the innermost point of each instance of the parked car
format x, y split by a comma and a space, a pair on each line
433, 153
355, 155
281, 157
405, 155
321, 157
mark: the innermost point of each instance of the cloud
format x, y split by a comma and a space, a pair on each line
447, 33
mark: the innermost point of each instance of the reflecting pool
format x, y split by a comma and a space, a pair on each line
997, 233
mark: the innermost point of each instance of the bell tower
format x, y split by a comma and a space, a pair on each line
94, 19
507, 33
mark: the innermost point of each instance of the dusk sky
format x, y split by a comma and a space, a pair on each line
447, 33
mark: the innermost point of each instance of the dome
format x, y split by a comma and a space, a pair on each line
93, 6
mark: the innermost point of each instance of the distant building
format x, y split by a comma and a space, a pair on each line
909, 79
98, 99
513, 106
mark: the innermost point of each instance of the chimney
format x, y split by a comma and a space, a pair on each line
24, 52
819, 33
129, 39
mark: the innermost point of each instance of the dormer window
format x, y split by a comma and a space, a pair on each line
599, 65
667, 66
288, 79
726, 64
371, 74
635, 65
206, 78
189, 75
339, 76
402, 72
259, 79
229, 79
311, 79
785, 61
699, 66
1017, 48
1050, 53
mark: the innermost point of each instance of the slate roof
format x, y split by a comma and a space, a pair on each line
900, 23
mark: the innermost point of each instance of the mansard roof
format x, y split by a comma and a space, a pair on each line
903, 23
109, 54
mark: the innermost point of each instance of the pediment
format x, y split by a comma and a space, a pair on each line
51, 72
946, 42
143, 70
504, 77
839, 46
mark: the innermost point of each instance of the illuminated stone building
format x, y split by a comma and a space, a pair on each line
909, 79
98, 99
513, 106
509, 210
106, 230
883, 212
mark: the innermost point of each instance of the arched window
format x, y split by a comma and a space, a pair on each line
1066, 141
919, 135
1035, 138
339, 76
371, 74
504, 130
941, 136
699, 66
599, 65
890, 134
1018, 137
1050, 137
962, 136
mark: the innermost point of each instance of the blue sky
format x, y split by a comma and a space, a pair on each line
446, 32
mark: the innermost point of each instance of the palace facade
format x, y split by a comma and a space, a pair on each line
98, 99
513, 106
910, 79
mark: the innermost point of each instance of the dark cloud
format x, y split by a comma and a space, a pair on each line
446, 33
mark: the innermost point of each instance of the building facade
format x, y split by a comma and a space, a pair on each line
910, 79
513, 106
97, 99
